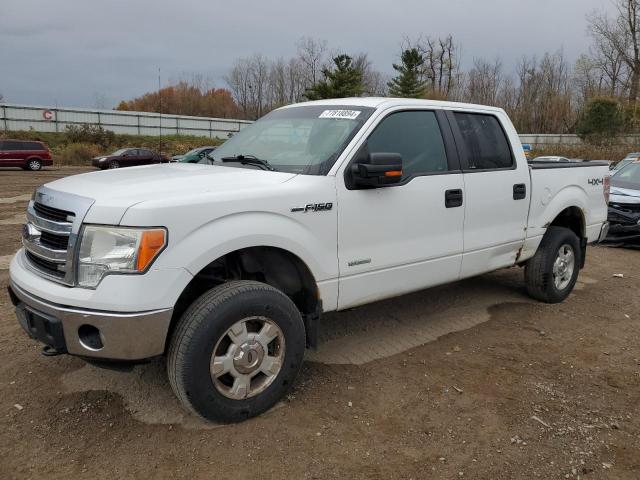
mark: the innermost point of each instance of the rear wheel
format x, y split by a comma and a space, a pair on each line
34, 164
552, 272
236, 351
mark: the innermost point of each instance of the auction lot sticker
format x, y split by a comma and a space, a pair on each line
347, 114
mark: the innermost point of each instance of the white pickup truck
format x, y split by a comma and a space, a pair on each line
226, 266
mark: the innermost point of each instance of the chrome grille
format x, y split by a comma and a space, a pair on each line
50, 234
54, 214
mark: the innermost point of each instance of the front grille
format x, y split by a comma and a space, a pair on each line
53, 222
45, 265
54, 214
51, 240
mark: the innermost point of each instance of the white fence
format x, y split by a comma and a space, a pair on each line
541, 140
49, 119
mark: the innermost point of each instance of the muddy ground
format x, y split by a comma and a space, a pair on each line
469, 380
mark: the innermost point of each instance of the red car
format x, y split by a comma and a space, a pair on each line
128, 157
25, 154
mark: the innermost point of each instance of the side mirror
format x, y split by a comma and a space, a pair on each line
379, 170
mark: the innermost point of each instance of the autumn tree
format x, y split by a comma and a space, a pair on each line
344, 80
408, 83
186, 98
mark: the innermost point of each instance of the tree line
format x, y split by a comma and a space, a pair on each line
544, 94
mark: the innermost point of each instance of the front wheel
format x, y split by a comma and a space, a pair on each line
552, 272
236, 351
113, 164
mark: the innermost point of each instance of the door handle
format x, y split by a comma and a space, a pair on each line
519, 191
453, 198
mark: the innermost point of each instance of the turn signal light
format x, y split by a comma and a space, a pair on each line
393, 173
151, 243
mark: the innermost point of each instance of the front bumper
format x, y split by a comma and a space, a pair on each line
92, 333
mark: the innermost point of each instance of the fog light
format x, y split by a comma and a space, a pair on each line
90, 337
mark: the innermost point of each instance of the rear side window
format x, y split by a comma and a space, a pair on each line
416, 136
32, 146
486, 144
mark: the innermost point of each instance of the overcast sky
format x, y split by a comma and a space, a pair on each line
70, 52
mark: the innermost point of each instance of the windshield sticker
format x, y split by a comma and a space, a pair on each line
347, 114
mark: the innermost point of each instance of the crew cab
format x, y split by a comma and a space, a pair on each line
225, 267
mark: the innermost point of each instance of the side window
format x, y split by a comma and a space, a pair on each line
485, 141
31, 146
11, 145
416, 136
2, 145
134, 152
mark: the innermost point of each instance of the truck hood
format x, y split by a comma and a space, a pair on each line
114, 191
624, 195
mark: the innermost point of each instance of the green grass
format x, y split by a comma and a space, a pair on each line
66, 152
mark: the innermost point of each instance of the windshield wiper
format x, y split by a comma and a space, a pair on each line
249, 160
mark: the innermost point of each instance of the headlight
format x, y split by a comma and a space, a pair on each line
105, 250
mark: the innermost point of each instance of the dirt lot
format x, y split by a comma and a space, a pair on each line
506, 388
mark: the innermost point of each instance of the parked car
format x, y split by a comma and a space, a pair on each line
129, 157
632, 157
26, 154
225, 267
624, 205
193, 156
552, 159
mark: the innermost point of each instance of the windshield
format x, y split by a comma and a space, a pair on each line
119, 152
627, 177
193, 152
306, 139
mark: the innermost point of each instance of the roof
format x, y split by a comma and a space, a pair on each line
387, 102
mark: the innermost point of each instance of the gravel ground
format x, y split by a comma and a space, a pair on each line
508, 388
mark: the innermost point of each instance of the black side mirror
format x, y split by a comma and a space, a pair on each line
379, 170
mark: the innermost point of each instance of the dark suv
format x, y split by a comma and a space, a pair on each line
28, 155
128, 157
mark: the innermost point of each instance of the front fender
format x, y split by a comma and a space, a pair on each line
236, 231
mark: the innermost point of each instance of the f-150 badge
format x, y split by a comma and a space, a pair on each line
313, 207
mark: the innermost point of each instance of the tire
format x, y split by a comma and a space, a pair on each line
545, 279
34, 164
205, 332
113, 164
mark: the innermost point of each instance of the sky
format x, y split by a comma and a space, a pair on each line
88, 53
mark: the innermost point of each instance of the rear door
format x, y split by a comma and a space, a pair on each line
145, 157
405, 237
496, 192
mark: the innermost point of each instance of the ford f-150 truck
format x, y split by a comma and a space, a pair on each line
226, 266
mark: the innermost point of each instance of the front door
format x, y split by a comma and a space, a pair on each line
408, 236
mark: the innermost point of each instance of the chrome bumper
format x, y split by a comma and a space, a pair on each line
116, 335
604, 231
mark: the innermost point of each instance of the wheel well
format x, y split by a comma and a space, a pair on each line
571, 218
274, 266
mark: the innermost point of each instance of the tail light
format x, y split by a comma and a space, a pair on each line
606, 188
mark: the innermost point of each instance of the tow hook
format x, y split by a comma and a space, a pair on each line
49, 351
